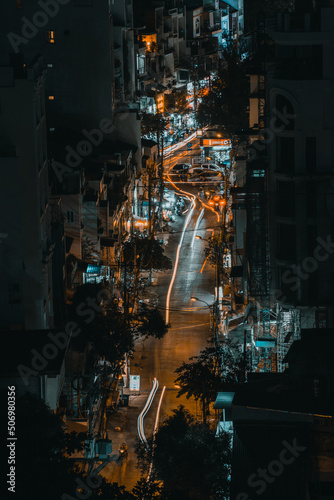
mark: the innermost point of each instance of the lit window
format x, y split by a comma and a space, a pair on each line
51, 97
50, 36
50, 65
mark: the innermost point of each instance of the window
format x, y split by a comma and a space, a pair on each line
285, 154
51, 97
14, 293
197, 27
300, 62
311, 199
286, 242
70, 217
285, 199
50, 36
311, 154
50, 65
284, 113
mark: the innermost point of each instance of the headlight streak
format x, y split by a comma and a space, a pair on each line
199, 218
193, 197
155, 431
140, 420
177, 260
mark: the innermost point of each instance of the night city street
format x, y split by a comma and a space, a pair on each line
167, 249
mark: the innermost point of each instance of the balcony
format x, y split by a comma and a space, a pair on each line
212, 29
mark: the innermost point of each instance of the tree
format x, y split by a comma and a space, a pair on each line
190, 460
235, 365
41, 464
200, 379
109, 491
156, 125
226, 103
102, 323
150, 322
144, 254
153, 125
147, 490
109, 330
89, 251
215, 251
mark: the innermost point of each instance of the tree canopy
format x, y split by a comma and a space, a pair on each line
41, 464
190, 460
200, 379
153, 125
144, 253
226, 103
111, 331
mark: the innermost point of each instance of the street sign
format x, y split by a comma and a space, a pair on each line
134, 382
189, 145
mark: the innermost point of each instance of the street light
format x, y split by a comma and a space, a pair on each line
193, 299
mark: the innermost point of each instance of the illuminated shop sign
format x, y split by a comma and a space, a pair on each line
216, 142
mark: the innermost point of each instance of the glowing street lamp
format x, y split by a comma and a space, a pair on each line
194, 299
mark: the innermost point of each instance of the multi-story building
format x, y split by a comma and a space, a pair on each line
79, 79
26, 246
300, 101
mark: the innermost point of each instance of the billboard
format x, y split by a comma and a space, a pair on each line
216, 142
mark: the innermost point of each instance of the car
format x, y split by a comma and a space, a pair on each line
217, 201
180, 168
211, 166
205, 177
210, 176
195, 170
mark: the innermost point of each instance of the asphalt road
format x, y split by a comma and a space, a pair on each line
186, 337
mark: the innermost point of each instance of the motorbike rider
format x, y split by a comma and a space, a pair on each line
123, 451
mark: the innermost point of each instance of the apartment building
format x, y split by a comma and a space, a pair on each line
26, 245
300, 100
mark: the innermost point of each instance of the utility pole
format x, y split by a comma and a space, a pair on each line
149, 202
135, 275
161, 176
245, 333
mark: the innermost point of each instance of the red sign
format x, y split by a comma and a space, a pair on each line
217, 142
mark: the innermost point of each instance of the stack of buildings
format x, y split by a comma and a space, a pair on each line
282, 262
74, 78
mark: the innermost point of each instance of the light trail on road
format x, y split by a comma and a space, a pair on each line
140, 421
155, 430
199, 218
177, 259
188, 326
